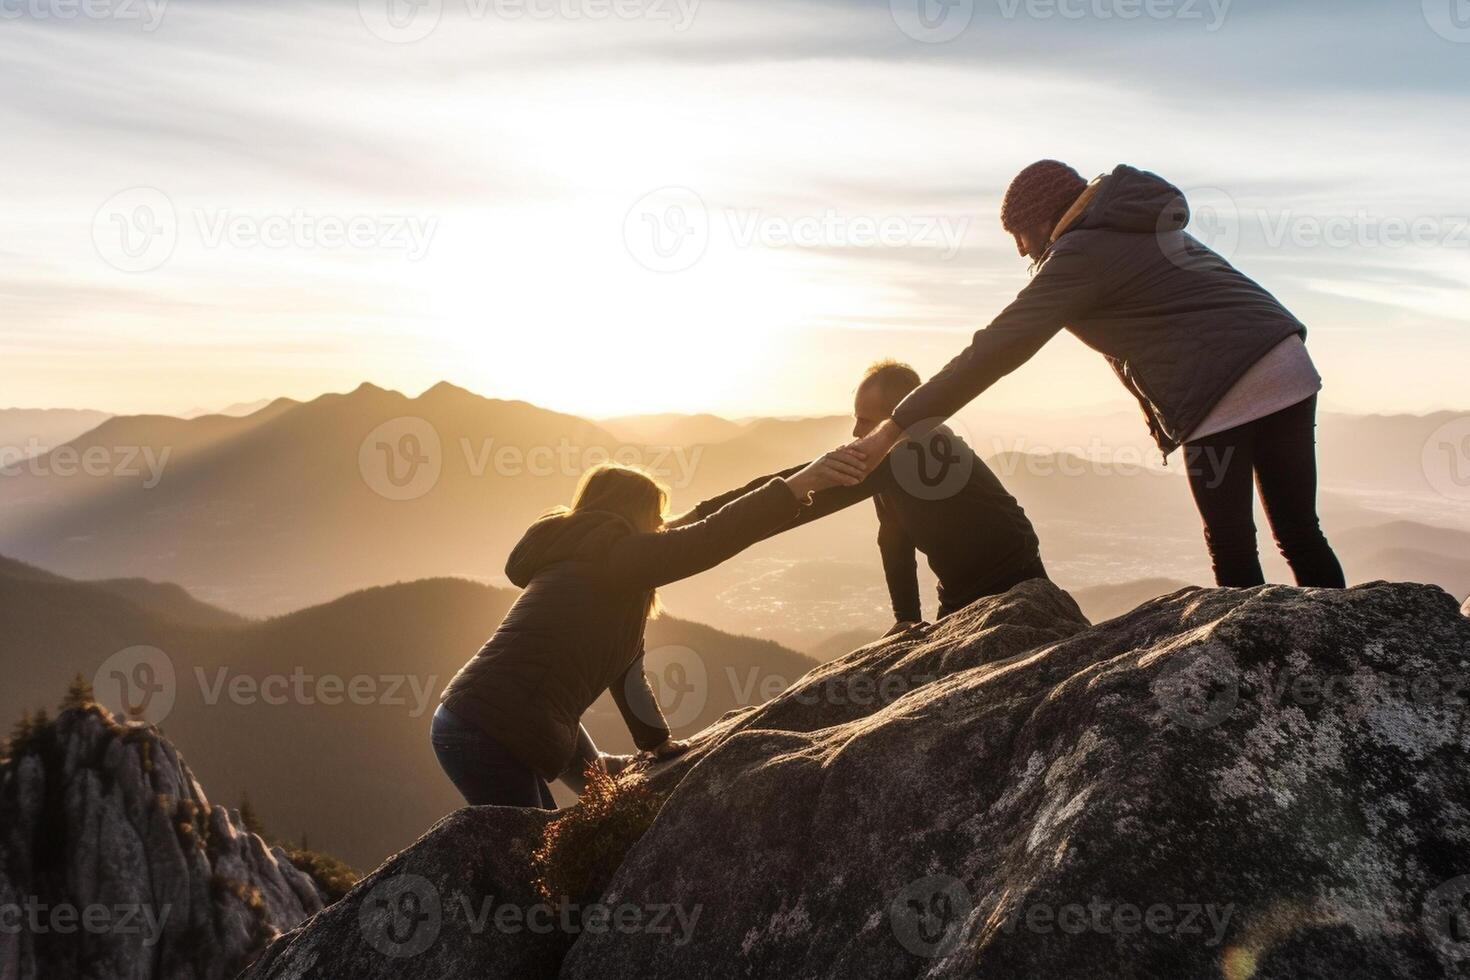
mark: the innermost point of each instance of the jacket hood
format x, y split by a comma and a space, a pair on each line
562, 537
1136, 201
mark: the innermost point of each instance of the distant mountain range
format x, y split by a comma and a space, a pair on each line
27, 432
299, 502
358, 778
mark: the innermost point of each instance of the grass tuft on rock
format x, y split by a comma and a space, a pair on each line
582, 849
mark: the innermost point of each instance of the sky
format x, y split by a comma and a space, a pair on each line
624, 206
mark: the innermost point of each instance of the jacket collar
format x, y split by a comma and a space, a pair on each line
1078, 206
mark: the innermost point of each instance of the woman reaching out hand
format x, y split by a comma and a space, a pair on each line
509, 721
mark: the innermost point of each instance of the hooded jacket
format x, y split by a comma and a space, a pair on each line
577, 628
1178, 323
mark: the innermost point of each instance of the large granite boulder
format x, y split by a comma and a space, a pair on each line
115, 866
1265, 783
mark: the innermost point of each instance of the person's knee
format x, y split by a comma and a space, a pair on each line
1302, 536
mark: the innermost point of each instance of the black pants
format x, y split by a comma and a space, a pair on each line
1025, 573
1278, 452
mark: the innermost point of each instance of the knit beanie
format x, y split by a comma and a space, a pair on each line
1041, 193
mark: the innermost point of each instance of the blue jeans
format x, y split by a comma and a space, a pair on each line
484, 771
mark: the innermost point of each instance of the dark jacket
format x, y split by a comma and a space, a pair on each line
1177, 322
577, 629
936, 496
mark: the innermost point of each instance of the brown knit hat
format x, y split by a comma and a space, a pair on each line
1040, 193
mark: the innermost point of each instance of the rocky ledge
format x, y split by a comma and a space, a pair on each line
115, 866
1265, 783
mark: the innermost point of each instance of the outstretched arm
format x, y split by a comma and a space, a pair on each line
656, 559
1064, 287
823, 504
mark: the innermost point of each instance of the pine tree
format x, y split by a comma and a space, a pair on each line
22, 730
249, 819
79, 694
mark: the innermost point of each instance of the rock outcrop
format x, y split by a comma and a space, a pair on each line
114, 865
1267, 783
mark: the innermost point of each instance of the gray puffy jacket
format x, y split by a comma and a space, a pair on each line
1178, 323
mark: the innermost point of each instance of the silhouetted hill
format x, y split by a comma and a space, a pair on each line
322, 715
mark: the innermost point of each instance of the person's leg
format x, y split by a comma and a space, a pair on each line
1286, 472
483, 770
1024, 573
1220, 469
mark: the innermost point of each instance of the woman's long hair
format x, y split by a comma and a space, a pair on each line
630, 493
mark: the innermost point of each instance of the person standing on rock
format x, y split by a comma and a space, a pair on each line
1217, 363
935, 496
509, 721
